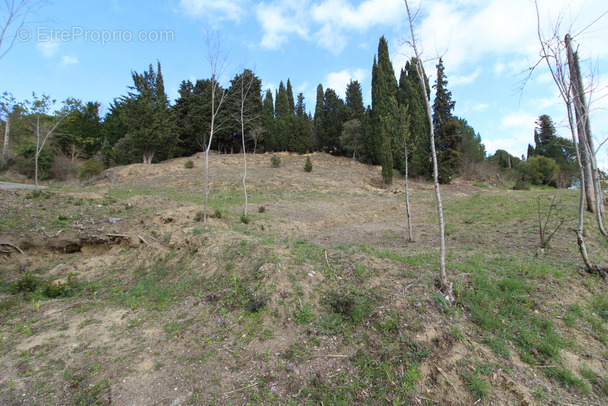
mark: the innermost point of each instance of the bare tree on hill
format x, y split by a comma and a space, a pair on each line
446, 285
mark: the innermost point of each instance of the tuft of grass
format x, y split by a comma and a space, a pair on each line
189, 164
245, 219
303, 314
477, 385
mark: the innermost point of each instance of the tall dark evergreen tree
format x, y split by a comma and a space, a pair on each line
354, 101
290, 98
448, 140
549, 145
302, 139
411, 95
333, 117
384, 88
283, 120
268, 124
245, 87
317, 128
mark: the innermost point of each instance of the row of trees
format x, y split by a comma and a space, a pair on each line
142, 126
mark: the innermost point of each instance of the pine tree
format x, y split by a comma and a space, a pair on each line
448, 141
147, 115
354, 101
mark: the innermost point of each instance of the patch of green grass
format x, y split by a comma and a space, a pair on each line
565, 377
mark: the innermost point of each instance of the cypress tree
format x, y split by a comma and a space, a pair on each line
282, 119
334, 114
384, 87
268, 123
411, 95
448, 140
317, 132
290, 98
302, 140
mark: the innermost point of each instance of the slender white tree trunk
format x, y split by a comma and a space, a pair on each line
410, 237
446, 286
7, 131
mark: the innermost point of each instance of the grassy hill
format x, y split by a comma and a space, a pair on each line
123, 296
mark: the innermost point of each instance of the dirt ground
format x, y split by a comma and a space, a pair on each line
156, 317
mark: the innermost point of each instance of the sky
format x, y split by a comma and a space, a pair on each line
87, 50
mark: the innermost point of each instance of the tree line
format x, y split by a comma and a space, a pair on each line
143, 126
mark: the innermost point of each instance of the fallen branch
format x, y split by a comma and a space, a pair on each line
240, 389
117, 235
11, 245
142, 239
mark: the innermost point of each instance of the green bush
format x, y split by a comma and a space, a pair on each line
539, 170
275, 161
90, 168
189, 164
308, 165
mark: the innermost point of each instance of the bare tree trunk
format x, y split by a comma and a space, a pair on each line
446, 286
243, 140
217, 63
38, 149
581, 124
410, 237
7, 131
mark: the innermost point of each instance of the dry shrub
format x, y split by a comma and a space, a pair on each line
478, 171
62, 167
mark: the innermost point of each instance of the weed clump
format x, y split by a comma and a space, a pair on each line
245, 219
262, 209
199, 216
90, 168
189, 164
521, 185
27, 284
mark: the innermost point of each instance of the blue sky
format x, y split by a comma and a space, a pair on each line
87, 50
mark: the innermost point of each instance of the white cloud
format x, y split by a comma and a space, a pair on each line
339, 80
464, 80
280, 20
337, 17
222, 9
480, 106
68, 60
48, 48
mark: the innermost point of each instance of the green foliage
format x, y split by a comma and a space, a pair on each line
268, 122
90, 169
189, 164
350, 305
27, 284
275, 161
308, 165
26, 165
245, 219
